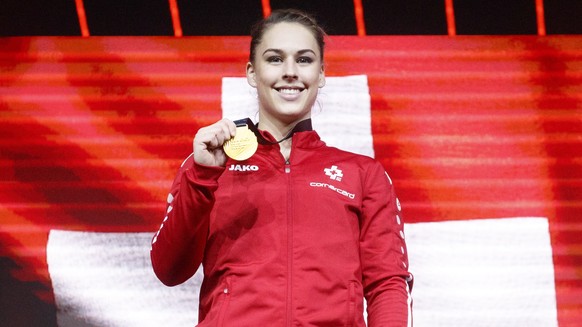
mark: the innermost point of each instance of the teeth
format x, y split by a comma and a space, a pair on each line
289, 91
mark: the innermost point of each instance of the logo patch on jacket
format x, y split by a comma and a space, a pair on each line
334, 173
243, 168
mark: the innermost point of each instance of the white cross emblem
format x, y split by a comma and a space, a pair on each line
334, 173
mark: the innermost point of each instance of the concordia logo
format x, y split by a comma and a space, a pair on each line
243, 168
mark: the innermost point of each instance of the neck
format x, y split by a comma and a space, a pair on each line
285, 149
279, 131
277, 128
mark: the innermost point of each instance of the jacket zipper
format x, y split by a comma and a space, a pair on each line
289, 244
351, 303
225, 301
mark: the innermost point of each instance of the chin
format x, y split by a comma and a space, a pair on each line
291, 116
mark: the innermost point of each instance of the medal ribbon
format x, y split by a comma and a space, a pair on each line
304, 125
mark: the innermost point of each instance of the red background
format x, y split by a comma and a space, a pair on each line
93, 130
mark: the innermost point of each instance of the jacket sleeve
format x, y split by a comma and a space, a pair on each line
386, 280
178, 246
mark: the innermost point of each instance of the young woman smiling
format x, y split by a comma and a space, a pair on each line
297, 233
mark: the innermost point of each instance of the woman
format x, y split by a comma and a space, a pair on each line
297, 234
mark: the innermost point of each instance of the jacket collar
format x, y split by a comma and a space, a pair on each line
303, 136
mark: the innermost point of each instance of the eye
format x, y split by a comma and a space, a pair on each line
274, 59
304, 60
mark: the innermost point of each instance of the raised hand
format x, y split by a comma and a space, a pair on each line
209, 140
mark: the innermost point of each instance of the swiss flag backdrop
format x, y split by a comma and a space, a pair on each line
482, 137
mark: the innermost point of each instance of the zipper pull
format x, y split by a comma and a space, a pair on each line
287, 166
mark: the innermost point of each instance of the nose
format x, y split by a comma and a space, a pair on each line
289, 70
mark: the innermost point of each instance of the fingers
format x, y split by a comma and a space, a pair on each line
209, 140
214, 136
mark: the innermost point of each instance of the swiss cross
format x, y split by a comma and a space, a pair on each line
334, 173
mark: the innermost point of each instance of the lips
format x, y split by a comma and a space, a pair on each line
289, 93
289, 90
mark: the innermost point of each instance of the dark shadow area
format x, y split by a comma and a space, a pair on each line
219, 17
128, 17
414, 17
18, 302
495, 17
563, 16
38, 17
337, 17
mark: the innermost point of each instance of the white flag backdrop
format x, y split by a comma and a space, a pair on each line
482, 272
493, 272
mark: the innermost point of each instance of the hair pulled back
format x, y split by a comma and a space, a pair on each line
286, 16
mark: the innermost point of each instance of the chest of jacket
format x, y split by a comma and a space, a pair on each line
263, 204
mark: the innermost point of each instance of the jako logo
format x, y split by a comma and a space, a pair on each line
243, 168
334, 173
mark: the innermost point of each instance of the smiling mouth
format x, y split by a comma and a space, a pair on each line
289, 91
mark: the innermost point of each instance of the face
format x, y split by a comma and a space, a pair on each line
287, 72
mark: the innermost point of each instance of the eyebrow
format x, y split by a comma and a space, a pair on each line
279, 51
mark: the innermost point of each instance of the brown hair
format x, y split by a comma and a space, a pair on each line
287, 16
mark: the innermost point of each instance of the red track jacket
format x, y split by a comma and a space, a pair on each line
288, 244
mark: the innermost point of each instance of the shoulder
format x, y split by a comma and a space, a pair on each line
361, 160
369, 169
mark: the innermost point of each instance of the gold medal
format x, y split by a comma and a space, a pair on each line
243, 145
